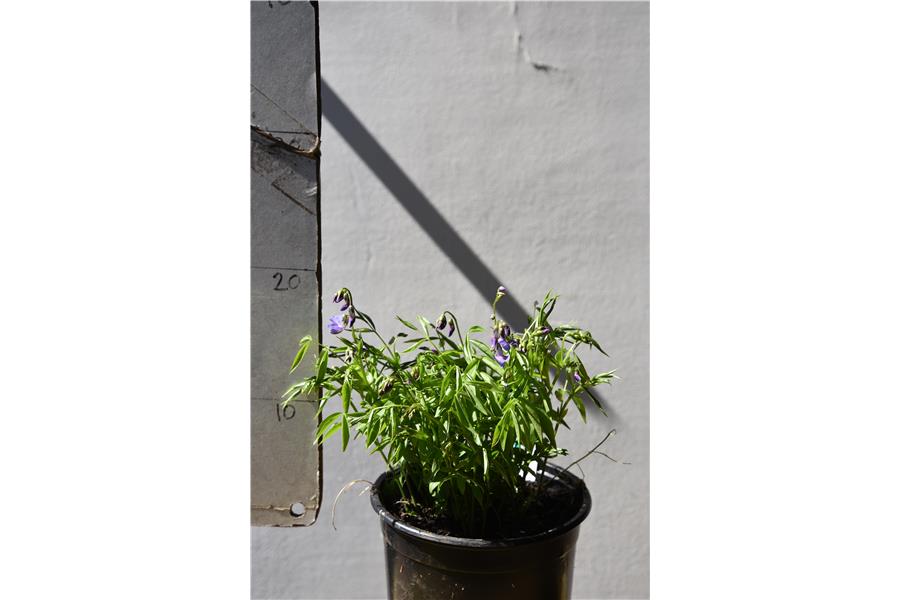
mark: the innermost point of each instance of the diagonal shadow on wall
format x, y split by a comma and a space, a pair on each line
417, 205
424, 213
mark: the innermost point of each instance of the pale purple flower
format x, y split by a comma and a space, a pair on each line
576, 376
338, 323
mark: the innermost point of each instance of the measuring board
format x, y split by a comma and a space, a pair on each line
285, 251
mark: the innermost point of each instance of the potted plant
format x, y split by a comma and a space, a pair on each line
470, 505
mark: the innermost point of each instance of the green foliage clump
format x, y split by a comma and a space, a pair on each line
461, 423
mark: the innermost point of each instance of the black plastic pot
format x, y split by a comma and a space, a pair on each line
426, 566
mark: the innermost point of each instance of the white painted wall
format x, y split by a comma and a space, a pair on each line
544, 173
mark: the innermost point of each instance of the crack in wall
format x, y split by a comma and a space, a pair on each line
521, 50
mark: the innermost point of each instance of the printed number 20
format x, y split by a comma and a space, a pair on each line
292, 283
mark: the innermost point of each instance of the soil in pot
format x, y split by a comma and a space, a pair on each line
541, 506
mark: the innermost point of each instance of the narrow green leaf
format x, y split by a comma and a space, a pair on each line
407, 323
323, 428
345, 432
425, 325
597, 346
305, 341
580, 405
323, 366
371, 431
516, 428
345, 393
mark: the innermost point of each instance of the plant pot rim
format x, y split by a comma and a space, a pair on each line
392, 521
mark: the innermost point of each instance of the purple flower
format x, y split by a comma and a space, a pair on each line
452, 329
501, 290
338, 323
342, 296
500, 344
576, 376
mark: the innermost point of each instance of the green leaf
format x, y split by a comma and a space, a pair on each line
425, 325
345, 393
479, 404
366, 318
597, 346
580, 405
305, 341
516, 428
345, 432
499, 436
446, 382
491, 363
407, 323
323, 366
415, 343
371, 431
322, 431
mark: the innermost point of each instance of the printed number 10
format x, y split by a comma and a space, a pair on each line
287, 412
